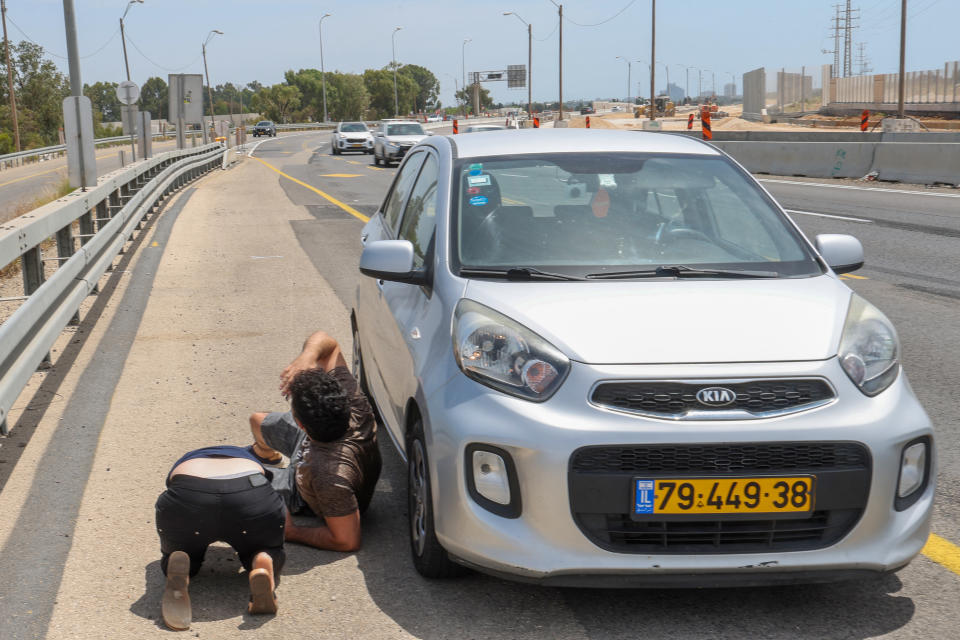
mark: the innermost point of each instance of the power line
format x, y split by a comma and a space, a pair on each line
550, 35
597, 24
160, 66
57, 55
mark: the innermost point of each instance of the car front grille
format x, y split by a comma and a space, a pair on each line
601, 478
760, 458
678, 399
355, 140
728, 536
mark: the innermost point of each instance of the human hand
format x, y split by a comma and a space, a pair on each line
300, 363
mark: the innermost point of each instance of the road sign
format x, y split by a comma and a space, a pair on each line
128, 92
516, 76
78, 134
186, 97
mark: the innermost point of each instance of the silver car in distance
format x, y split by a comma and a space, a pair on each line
610, 358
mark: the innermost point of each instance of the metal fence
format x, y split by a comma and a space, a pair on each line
106, 217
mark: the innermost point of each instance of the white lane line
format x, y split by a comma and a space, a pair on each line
292, 135
847, 186
827, 215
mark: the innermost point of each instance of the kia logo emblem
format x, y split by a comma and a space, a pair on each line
716, 396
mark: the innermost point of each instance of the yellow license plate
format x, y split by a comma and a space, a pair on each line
712, 496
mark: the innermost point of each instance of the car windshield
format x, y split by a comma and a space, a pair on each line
353, 127
605, 215
405, 129
264, 123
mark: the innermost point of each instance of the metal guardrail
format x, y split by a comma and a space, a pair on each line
61, 149
106, 216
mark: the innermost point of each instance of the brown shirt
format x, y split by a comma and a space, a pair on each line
337, 478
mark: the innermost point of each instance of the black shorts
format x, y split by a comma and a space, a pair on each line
244, 512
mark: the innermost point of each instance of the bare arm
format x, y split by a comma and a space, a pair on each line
339, 534
319, 351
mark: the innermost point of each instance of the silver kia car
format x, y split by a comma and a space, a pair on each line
610, 358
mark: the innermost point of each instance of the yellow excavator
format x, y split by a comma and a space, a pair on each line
664, 106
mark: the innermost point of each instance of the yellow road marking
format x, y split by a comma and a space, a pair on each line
375, 168
154, 244
342, 205
340, 175
856, 277
943, 552
354, 162
512, 201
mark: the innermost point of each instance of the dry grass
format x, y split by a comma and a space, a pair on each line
50, 194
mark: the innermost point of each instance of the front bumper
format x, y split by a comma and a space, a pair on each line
546, 544
395, 152
344, 144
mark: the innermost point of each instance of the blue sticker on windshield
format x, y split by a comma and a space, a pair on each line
479, 201
476, 169
644, 497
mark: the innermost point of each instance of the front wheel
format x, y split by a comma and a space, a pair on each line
358, 371
429, 558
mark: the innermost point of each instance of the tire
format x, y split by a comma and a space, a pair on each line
359, 373
430, 559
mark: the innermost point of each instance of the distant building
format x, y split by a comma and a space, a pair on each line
675, 92
730, 90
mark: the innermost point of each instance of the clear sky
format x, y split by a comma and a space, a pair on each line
264, 38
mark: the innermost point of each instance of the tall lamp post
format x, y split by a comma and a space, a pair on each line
653, 59
629, 81
463, 60
123, 38
393, 44
560, 66
529, 61
323, 72
210, 36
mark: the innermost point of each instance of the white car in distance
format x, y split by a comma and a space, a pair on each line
351, 136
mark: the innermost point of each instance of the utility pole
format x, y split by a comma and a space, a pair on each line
903, 49
848, 41
653, 59
836, 42
393, 45
323, 71
560, 14
862, 60
13, 98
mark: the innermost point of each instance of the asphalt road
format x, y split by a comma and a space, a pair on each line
912, 243
179, 360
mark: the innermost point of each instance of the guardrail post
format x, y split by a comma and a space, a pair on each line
33, 276
66, 248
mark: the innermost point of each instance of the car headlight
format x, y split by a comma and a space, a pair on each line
503, 354
869, 349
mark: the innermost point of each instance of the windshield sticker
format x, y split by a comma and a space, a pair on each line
476, 169
479, 201
473, 190
478, 181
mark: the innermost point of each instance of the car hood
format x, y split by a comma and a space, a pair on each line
411, 139
678, 321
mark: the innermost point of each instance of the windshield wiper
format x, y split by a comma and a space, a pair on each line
517, 273
680, 271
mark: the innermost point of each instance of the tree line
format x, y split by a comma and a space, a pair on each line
40, 89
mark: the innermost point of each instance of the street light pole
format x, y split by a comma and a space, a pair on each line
529, 61
653, 58
123, 38
393, 44
206, 72
13, 98
903, 48
560, 26
629, 80
463, 60
323, 71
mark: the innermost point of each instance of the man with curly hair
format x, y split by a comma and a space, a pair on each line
330, 438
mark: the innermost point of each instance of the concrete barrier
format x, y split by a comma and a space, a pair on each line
812, 159
826, 136
922, 163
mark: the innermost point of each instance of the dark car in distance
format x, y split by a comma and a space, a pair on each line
265, 128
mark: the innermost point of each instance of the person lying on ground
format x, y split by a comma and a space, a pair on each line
219, 493
330, 438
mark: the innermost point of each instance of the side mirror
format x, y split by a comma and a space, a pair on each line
843, 252
391, 260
